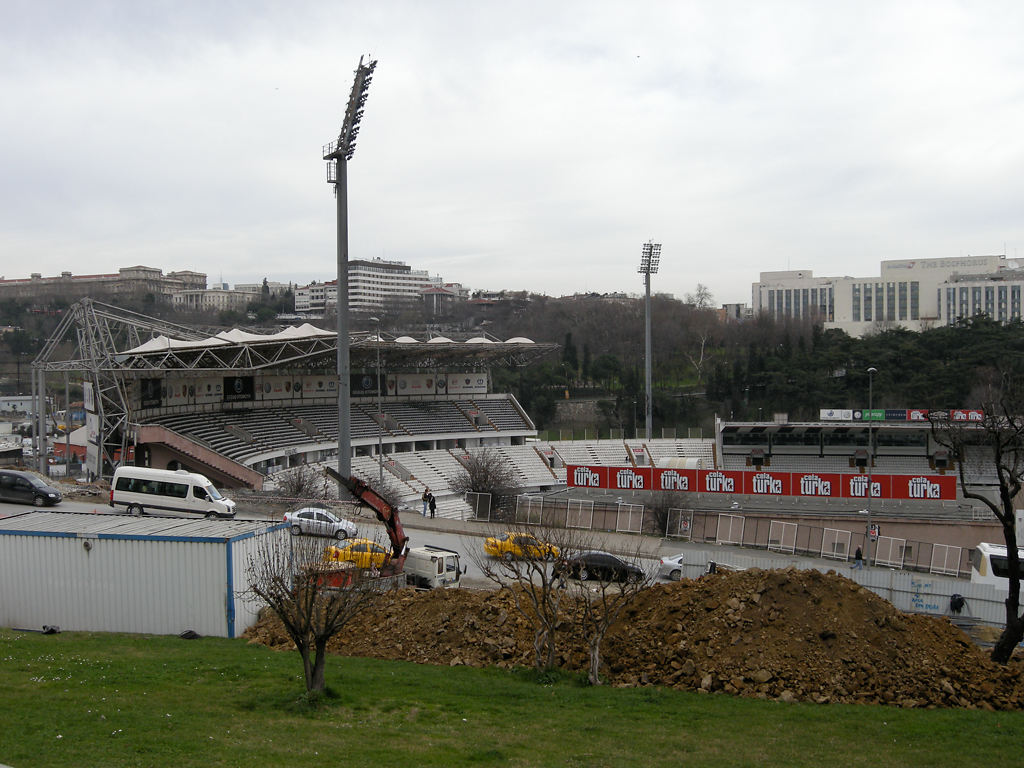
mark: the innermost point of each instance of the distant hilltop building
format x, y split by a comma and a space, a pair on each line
915, 294
377, 283
126, 281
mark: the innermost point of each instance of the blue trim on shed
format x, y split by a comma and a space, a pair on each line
230, 596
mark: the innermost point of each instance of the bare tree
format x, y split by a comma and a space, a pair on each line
527, 574
657, 507
303, 482
999, 437
598, 605
484, 471
314, 600
701, 298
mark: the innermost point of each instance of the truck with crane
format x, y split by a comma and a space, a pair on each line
424, 567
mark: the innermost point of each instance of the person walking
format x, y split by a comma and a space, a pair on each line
433, 505
858, 560
426, 500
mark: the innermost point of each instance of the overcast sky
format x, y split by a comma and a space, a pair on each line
520, 145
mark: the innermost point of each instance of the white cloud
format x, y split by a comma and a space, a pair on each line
528, 145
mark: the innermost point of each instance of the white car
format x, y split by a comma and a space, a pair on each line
671, 567
320, 522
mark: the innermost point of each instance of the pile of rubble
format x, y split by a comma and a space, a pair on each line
784, 634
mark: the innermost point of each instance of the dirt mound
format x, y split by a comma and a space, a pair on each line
785, 634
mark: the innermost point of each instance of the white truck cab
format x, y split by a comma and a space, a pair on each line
429, 567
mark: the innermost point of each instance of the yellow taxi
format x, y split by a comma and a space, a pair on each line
511, 545
363, 552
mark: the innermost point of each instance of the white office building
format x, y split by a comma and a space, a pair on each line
372, 285
913, 294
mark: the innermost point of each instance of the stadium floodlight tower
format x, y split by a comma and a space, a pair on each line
648, 266
337, 154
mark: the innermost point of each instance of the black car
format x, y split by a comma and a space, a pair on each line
603, 566
26, 488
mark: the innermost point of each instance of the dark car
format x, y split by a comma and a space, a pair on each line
603, 566
26, 488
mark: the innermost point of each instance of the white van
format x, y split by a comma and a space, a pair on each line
166, 491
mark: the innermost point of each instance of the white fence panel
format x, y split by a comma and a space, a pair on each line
730, 529
890, 551
679, 524
579, 514
835, 544
782, 537
945, 559
529, 509
480, 503
629, 518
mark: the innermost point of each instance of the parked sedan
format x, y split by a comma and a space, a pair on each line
511, 545
363, 552
603, 566
319, 522
671, 567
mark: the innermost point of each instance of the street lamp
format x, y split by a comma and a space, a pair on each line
649, 259
380, 415
871, 452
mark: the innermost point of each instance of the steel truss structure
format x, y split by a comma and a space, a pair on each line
112, 347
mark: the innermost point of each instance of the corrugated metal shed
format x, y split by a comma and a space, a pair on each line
118, 573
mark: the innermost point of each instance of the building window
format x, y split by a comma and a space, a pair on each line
1001, 291
915, 301
1015, 302
868, 304
890, 301
903, 301
856, 303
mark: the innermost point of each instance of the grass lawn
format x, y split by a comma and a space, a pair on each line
81, 699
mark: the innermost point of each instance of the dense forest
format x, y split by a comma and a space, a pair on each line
701, 365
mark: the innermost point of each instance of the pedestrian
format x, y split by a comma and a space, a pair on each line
426, 500
433, 505
858, 560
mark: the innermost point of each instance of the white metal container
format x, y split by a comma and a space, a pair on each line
117, 573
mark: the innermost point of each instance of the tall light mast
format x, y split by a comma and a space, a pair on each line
337, 154
648, 266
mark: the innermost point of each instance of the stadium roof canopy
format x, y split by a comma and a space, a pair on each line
124, 342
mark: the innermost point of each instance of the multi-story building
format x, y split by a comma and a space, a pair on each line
255, 289
374, 284
127, 281
913, 294
211, 299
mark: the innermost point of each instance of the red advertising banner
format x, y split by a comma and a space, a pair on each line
923, 487
967, 415
767, 483
675, 479
856, 487
824, 485
818, 485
